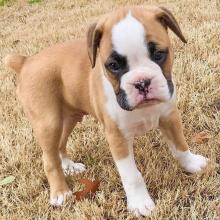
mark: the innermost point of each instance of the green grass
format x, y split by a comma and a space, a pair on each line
34, 1
3, 2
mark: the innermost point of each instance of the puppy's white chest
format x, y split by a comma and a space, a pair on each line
137, 122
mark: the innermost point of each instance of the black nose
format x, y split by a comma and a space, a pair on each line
142, 85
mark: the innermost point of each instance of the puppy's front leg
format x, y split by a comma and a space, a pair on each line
171, 128
138, 198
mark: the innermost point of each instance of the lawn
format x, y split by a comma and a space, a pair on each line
29, 26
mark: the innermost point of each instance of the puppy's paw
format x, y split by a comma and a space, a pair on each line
59, 198
141, 204
69, 167
193, 163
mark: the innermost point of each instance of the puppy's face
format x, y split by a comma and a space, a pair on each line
136, 56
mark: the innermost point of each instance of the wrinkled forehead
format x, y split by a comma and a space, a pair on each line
129, 31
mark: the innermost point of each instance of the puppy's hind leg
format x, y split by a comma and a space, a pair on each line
48, 131
69, 167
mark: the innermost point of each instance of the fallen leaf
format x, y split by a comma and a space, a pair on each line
7, 180
90, 187
201, 137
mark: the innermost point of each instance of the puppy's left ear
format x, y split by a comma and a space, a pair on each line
168, 20
94, 36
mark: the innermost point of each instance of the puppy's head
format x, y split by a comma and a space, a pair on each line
135, 53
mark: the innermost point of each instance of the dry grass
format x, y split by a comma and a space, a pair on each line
27, 28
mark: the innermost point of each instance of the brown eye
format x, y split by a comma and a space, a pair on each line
156, 54
114, 66
159, 56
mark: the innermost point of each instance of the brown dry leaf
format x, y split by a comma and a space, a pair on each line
201, 137
90, 187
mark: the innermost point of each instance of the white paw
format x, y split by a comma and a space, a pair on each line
141, 204
69, 167
192, 162
59, 199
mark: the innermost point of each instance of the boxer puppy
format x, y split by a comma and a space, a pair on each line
122, 75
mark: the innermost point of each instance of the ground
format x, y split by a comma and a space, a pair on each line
29, 26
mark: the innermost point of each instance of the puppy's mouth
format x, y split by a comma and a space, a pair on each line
147, 102
143, 100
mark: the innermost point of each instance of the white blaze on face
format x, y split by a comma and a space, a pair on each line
129, 39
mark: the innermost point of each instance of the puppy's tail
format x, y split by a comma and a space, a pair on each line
15, 62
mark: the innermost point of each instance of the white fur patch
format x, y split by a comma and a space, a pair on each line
192, 163
60, 199
128, 38
138, 198
69, 167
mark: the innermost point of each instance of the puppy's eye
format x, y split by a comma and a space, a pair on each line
159, 56
114, 66
156, 54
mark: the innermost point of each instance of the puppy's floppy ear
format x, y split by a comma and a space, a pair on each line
168, 20
94, 36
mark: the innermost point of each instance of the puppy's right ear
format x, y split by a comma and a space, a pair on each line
94, 36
